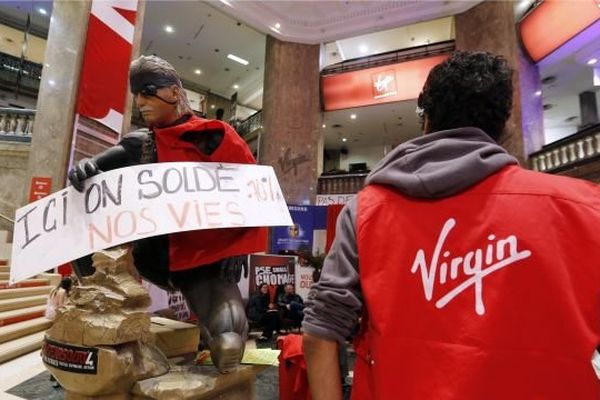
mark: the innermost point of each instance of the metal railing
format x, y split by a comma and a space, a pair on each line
250, 124
16, 124
569, 152
22, 73
341, 184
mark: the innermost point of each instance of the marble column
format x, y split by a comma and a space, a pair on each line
292, 139
490, 26
53, 126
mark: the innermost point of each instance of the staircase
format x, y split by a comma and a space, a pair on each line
22, 307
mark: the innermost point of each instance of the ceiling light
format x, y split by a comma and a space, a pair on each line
277, 25
197, 72
237, 59
352, 116
236, 86
324, 126
363, 49
226, 3
274, 29
212, 106
538, 93
42, 11
592, 61
169, 29
344, 139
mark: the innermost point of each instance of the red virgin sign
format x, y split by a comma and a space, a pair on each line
390, 83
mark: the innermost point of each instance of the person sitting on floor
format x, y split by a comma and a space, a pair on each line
262, 310
291, 304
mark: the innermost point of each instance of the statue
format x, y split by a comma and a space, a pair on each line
205, 265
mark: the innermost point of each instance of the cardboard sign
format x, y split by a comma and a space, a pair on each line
40, 188
136, 202
82, 360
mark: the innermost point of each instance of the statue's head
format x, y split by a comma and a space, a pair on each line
157, 91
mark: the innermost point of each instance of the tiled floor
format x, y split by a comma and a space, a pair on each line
27, 378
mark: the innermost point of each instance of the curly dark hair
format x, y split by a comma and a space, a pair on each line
468, 89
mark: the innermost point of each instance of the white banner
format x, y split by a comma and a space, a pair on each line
132, 203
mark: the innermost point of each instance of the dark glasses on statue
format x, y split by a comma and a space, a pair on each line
149, 90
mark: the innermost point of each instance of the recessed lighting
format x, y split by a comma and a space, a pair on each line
236, 86
592, 61
352, 116
237, 59
344, 140
226, 3
277, 25
197, 72
538, 93
42, 11
212, 106
51, 82
169, 29
274, 29
363, 48
324, 126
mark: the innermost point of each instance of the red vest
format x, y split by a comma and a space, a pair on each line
193, 248
490, 294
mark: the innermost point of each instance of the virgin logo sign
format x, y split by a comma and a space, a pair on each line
384, 84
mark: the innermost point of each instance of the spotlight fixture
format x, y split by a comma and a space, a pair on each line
592, 61
42, 11
352, 116
324, 126
169, 29
197, 72
538, 93
236, 86
344, 140
277, 25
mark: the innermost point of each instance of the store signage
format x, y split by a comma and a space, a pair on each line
106, 58
553, 23
40, 188
82, 360
141, 201
396, 82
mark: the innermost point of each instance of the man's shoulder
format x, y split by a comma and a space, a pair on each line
558, 186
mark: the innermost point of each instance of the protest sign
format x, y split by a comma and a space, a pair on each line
136, 202
272, 270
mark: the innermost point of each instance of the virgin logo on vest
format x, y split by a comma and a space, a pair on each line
475, 264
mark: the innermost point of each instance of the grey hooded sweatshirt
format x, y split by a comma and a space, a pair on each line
434, 166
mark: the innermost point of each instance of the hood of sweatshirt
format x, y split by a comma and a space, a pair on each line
440, 164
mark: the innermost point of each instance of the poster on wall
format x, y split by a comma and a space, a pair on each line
301, 235
271, 269
304, 279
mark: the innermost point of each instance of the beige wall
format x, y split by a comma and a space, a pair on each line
11, 42
13, 169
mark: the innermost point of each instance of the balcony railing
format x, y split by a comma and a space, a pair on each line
341, 184
569, 152
16, 124
250, 124
30, 74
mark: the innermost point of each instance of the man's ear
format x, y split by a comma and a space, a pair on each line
175, 92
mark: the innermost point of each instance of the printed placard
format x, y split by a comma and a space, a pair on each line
141, 201
82, 360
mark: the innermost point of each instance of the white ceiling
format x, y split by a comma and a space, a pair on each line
317, 22
199, 30
380, 125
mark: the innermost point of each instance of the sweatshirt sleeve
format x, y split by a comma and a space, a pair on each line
334, 302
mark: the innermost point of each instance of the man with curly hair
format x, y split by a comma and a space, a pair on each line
204, 265
474, 278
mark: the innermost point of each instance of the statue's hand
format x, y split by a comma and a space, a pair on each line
231, 268
84, 169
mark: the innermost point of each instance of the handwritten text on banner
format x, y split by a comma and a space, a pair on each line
141, 201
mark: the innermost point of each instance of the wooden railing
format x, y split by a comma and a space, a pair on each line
16, 124
341, 184
569, 152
